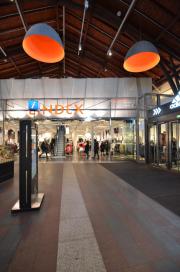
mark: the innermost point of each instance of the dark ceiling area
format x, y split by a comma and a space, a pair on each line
157, 21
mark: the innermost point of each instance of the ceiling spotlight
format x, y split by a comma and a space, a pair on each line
105, 70
80, 47
109, 52
119, 13
86, 4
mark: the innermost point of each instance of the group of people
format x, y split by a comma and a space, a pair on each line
104, 149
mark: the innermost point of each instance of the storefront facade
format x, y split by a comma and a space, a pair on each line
163, 135
114, 101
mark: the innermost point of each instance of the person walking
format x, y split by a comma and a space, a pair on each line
87, 148
107, 147
102, 148
52, 146
44, 149
174, 151
96, 149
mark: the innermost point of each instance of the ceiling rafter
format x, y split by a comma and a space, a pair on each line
99, 31
109, 18
163, 29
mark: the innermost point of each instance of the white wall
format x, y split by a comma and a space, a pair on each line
74, 88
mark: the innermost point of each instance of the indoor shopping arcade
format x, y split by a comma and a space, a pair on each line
89, 136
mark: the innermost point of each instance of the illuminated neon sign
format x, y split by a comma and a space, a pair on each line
33, 105
176, 102
156, 111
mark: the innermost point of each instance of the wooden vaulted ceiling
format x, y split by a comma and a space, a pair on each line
154, 20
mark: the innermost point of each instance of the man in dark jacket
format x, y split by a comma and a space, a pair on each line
96, 149
87, 147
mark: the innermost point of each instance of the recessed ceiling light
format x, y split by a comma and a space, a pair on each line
119, 13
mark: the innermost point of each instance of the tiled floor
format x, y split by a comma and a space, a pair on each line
91, 220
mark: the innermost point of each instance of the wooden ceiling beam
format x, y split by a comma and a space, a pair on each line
111, 19
27, 11
149, 19
102, 45
90, 71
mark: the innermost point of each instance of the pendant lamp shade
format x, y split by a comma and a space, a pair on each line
43, 43
142, 56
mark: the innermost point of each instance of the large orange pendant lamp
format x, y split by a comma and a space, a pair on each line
142, 56
43, 43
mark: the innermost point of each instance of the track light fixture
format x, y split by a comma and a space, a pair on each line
109, 53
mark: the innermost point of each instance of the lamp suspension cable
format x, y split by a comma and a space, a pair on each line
64, 39
21, 16
86, 5
2, 50
121, 25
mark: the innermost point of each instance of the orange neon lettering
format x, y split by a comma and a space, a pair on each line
78, 108
67, 109
59, 107
44, 108
31, 112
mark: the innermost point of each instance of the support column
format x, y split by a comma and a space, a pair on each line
3, 128
110, 131
92, 140
137, 131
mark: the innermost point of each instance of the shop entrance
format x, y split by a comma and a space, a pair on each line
164, 145
116, 138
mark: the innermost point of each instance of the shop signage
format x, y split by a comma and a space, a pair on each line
156, 111
33, 105
176, 102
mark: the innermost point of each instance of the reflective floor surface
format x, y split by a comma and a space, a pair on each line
92, 220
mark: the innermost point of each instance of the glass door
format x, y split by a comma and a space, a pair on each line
175, 146
153, 144
163, 144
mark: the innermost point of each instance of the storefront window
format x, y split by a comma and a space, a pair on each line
141, 139
153, 144
163, 144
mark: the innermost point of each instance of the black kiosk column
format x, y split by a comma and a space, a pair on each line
29, 198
